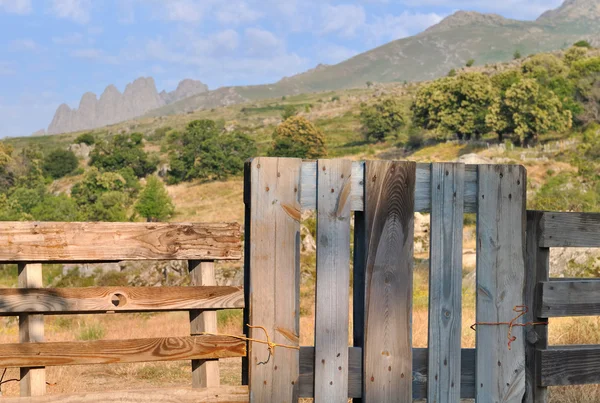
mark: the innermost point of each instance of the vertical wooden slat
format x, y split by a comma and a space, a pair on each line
31, 330
358, 279
500, 375
538, 267
333, 281
205, 373
445, 282
247, 244
389, 205
274, 265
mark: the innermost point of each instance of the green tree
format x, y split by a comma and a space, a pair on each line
574, 54
527, 110
57, 208
124, 151
59, 163
297, 137
369, 84
517, 54
102, 196
154, 203
455, 106
288, 112
582, 44
381, 119
470, 62
585, 76
86, 138
452, 73
205, 151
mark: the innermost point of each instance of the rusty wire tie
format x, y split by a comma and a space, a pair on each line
522, 311
270, 345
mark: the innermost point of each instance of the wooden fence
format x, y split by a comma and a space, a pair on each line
31, 244
365, 230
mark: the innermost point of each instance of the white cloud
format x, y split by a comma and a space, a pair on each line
184, 10
237, 13
23, 45
391, 27
95, 54
344, 19
75, 10
260, 42
74, 38
20, 7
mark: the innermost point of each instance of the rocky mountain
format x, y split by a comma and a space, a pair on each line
486, 38
139, 97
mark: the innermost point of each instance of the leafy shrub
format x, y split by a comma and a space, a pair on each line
452, 73
517, 54
59, 163
582, 44
205, 151
124, 151
86, 138
297, 137
381, 119
288, 112
470, 62
57, 208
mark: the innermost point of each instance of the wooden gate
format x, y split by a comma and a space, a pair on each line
381, 365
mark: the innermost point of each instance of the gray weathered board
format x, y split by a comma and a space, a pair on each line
570, 230
333, 281
500, 281
308, 197
445, 281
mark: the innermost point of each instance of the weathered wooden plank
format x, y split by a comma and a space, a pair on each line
358, 285
308, 197
570, 365
120, 351
389, 205
274, 277
445, 281
205, 373
104, 241
223, 394
500, 281
570, 230
333, 281
31, 330
569, 298
419, 377
117, 299
538, 265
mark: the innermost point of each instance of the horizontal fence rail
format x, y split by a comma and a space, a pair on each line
119, 351
62, 301
570, 230
102, 241
574, 297
570, 365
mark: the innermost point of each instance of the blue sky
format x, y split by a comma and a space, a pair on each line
52, 51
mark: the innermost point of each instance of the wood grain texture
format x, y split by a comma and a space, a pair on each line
538, 268
389, 204
569, 298
119, 351
103, 241
500, 281
224, 394
333, 281
117, 299
274, 265
31, 330
570, 230
445, 282
308, 197
570, 365
205, 373
419, 377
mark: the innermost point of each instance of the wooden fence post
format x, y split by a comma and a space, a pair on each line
205, 373
273, 291
333, 281
445, 282
537, 270
31, 330
389, 211
501, 219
